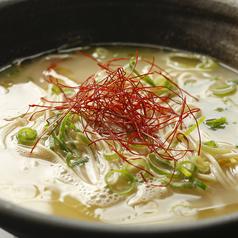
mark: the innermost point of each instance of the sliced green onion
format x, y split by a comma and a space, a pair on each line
71, 151
187, 132
211, 143
224, 91
63, 147
70, 157
202, 166
176, 184
205, 147
207, 63
189, 166
109, 156
219, 109
136, 165
165, 167
26, 136
215, 124
52, 142
163, 86
160, 81
72, 126
60, 139
112, 155
182, 184
192, 128
82, 137
198, 183
57, 90
145, 78
124, 183
72, 144
182, 169
187, 182
62, 127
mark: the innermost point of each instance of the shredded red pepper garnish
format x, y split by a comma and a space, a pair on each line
121, 108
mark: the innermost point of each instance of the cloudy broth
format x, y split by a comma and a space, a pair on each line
43, 181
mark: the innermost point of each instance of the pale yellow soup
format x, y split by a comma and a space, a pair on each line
45, 184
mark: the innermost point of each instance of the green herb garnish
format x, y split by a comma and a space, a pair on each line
224, 90
211, 143
145, 78
26, 136
215, 124
219, 109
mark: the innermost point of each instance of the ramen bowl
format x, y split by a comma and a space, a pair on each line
30, 27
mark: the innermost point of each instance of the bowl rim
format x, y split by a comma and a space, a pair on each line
13, 211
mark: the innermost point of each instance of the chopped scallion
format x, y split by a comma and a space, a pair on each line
224, 90
122, 184
213, 149
137, 165
70, 157
202, 166
112, 155
145, 78
215, 124
26, 136
189, 166
198, 183
163, 167
57, 90
82, 137
187, 132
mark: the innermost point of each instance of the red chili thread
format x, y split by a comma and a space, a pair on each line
120, 108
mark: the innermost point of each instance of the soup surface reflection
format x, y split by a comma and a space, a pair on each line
114, 136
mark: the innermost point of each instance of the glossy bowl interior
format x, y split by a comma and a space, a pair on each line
32, 26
